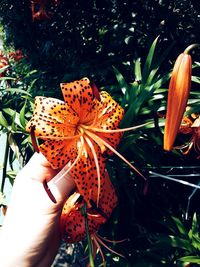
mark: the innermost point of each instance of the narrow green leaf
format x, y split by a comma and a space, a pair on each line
190, 259
17, 90
13, 125
148, 63
3, 120
7, 78
177, 242
15, 118
151, 76
4, 68
195, 79
194, 109
30, 73
181, 228
134, 91
196, 241
128, 118
13, 145
195, 225
22, 115
161, 81
137, 70
124, 86
11, 175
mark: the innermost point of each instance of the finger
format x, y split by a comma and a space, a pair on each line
57, 184
61, 185
38, 168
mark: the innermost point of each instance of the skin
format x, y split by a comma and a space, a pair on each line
30, 234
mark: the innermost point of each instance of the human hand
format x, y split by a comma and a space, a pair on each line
30, 234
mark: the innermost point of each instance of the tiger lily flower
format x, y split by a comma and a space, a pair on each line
191, 127
72, 221
179, 89
79, 132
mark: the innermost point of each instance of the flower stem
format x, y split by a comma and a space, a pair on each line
190, 47
5, 164
84, 210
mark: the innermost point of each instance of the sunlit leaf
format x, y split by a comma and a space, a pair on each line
17, 90
178, 242
22, 119
123, 84
148, 63
191, 259
13, 145
137, 70
3, 120
181, 228
4, 68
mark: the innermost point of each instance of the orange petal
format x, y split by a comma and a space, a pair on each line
72, 219
85, 174
108, 200
110, 112
52, 118
79, 96
59, 153
110, 116
178, 94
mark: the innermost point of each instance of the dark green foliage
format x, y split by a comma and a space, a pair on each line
89, 37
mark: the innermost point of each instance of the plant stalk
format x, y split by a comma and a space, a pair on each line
190, 47
5, 164
88, 236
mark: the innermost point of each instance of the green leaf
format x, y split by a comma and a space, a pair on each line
137, 70
11, 175
151, 76
30, 73
195, 225
3, 120
15, 118
22, 115
193, 109
13, 145
124, 86
133, 92
4, 68
195, 79
181, 228
190, 259
17, 90
148, 63
177, 242
13, 125
7, 78
196, 241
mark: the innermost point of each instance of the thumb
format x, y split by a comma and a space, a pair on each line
59, 183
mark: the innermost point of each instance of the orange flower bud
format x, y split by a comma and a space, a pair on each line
179, 89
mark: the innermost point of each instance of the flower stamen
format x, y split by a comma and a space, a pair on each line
115, 130
98, 140
97, 166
